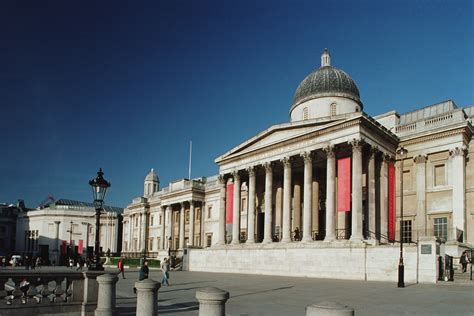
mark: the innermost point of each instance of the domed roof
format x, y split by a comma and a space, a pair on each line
326, 81
151, 176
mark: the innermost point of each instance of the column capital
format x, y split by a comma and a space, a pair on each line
222, 179
329, 151
251, 171
457, 151
57, 222
374, 150
388, 158
356, 144
191, 202
420, 158
286, 161
268, 166
307, 156
236, 175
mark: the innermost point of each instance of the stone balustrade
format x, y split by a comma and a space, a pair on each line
57, 291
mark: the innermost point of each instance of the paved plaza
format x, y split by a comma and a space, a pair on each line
274, 295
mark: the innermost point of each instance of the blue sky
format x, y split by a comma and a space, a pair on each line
126, 85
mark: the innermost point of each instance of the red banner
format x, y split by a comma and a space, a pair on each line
80, 247
63, 247
229, 204
344, 184
391, 201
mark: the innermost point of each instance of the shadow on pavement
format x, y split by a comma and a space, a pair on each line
265, 291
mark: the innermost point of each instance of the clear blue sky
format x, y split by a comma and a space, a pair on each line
126, 85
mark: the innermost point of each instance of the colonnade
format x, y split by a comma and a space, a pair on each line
249, 172
167, 231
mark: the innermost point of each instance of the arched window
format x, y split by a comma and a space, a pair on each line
305, 114
333, 109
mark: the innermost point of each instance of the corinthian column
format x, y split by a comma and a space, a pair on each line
251, 209
286, 230
459, 192
236, 209
181, 227
356, 190
222, 184
330, 194
384, 197
163, 231
191, 223
267, 238
307, 206
371, 189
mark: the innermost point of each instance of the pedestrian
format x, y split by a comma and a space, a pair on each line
143, 273
38, 262
121, 268
71, 263
80, 264
165, 268
27, 262
297, 234
464, 260
4, 262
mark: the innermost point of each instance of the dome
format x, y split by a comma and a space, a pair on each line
326, 81
151, 176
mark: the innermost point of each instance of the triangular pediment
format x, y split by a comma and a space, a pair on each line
276, 134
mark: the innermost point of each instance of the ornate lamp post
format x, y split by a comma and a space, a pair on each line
402, 153
99, 188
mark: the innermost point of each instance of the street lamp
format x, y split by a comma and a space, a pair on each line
402, 152
99, 187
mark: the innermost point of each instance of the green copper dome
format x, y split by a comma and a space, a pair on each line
326, 81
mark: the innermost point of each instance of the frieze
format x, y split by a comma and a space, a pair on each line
298, 143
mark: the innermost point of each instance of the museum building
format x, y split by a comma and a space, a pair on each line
333, 185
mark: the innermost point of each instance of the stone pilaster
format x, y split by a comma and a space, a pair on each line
222, 184
169, 226
267, 237
307, 203
181, 227
330, 194
236, 209
191, 223
356, 190
286, 227
251, 208
421, 225
459, 192
163, 228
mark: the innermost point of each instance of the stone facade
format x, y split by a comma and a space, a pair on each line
284, 186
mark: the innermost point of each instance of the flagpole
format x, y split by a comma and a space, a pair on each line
190, 158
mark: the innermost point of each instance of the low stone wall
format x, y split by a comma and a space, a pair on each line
336, 260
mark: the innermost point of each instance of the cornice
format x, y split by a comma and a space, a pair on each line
464, 131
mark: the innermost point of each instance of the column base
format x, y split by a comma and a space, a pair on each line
329, 238
358, 239
286, 240
267, 241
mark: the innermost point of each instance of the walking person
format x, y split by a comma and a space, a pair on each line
464, 260
121, 268
165, 268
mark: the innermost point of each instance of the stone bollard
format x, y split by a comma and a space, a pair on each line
106, 297
329, 309
212, 301
147, 297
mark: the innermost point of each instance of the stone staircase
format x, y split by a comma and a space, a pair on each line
463, 278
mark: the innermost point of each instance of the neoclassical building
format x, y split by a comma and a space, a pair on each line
331, 179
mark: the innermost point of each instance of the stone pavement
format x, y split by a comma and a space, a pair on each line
272, 295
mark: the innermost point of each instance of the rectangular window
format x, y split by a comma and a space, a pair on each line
176, 218
439, 175
158, 242
50, 228
198, 214
150, 244
197, 240
159, 220
136, 222
152, 219
187, 217
208, 240
209, 211
441, 228
244, 206
406, 231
